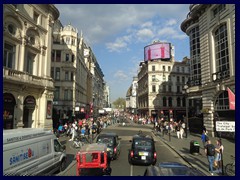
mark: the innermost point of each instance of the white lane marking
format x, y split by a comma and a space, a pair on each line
131, 170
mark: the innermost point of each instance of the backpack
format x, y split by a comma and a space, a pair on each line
210, 150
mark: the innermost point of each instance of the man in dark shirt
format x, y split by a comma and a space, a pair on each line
210, 152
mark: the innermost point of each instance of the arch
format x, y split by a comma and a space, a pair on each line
9, 104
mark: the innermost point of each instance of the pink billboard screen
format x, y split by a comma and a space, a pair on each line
157, 51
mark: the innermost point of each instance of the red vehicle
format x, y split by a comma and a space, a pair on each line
93, 160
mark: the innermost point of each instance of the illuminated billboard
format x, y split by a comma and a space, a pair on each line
157, 51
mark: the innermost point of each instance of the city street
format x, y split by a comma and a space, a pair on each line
121, 167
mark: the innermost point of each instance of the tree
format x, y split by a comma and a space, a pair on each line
119, 103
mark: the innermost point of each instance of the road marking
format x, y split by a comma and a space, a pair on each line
131, 170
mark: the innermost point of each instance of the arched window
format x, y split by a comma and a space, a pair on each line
222, 101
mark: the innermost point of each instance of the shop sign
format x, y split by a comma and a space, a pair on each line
49, 110
225, 126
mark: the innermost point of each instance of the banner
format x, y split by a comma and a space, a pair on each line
231, 97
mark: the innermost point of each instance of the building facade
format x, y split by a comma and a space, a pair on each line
27, 85
131, 97
160, 84
211, 31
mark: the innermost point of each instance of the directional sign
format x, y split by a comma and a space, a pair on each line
225, 126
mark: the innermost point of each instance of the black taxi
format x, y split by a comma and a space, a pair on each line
142, 150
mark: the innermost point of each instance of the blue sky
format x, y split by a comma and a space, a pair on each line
118, 33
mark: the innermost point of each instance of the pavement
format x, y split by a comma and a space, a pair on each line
197, 160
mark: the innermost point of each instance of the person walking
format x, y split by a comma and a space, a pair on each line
178, 127
210, 153
218, 156
204, 138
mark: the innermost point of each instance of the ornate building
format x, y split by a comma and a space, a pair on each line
27, 85
211, 31
160, 83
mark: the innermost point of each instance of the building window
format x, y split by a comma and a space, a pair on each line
164, 78
52, 72
52, 56
164, 68
169, 88
67, 40
222, 102
56, 93
73, 41
221, 50
169, 68
12, 29
178, 79
57, 77
183, 79
178, 89
169, 78
72, 76
178, 102
153, 68
178, 69
67, 57
66, 76
164, 101
170, 101
195, 61
164, 88
220, 8
9, 59
184, 102
58, 56
73, 57
153, 78
29, 62
183, 70
66, 94
153, 88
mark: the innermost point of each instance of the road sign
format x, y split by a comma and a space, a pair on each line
225, 126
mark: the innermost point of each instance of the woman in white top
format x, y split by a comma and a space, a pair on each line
218, 155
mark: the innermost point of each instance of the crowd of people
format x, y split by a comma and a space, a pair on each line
84, 127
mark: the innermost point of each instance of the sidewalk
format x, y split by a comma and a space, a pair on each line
182, 147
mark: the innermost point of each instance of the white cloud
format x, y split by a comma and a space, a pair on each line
120, 75
171, 22
144, 34
119, 44
171, 32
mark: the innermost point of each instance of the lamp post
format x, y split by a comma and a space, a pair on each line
185, 92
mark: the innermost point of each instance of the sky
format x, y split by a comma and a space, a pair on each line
118, 33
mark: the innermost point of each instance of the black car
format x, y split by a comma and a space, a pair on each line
142, 150
172, 169
113, 143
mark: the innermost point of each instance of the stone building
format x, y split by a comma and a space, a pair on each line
211, 31
160, 83
27, 85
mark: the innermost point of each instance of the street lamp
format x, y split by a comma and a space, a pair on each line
185, 92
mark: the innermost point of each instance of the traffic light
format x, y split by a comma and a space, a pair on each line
170, 115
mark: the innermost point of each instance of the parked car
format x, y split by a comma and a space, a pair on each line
142, 150
172, 169
113, 143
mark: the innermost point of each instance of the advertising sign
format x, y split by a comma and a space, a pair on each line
157, 51
225, 126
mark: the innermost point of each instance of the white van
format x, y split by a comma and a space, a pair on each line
31, 152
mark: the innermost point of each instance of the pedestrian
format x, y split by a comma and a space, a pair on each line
218, 156
210, 153
203, 138
178, 130
74, 132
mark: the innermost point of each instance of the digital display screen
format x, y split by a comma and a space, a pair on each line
157, 51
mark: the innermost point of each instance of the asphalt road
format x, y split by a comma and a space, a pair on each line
121, 167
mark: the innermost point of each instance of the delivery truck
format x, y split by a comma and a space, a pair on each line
32, 152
